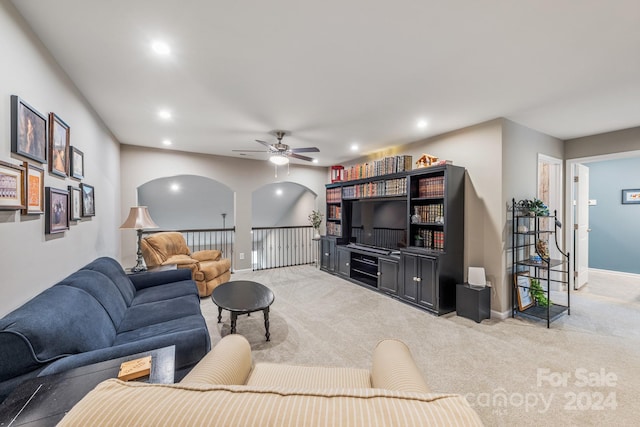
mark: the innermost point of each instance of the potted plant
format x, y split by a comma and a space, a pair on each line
538, 293
535, 207
315, 218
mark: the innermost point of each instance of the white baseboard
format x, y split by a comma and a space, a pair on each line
618, 273
500, 315
235, 270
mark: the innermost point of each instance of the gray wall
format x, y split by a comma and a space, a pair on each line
196, 203
615, 228
31, 261
621, 141
282, 204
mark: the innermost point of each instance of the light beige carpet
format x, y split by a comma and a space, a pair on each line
585, 370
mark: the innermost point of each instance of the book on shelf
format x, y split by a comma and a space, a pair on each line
384, 166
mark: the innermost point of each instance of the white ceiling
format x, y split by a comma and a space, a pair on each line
338, 72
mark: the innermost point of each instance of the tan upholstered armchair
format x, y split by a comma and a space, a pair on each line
208, 268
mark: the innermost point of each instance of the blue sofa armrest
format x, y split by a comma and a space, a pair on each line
149, 279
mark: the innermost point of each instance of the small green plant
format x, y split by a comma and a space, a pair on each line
315, 218
535, 206
538, 293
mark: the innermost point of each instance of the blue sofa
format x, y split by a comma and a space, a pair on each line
100, 313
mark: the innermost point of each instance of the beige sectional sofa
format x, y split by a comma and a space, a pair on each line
225, 389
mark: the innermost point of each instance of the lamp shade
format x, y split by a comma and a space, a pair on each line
279, 159
138, 219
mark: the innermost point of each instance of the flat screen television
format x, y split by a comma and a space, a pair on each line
380, 223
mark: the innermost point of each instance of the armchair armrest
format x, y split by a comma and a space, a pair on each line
228, 363
207, 255
394, 369
149, 279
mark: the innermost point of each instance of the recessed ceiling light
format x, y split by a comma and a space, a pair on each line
175, 187
422, 124
279, 192
314, 161
166, 142
164, 114
161, 48
354, 147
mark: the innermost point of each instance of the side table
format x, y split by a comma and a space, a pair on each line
473, 302
44, 401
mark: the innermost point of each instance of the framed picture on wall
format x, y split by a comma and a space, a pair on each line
34, 189
11, 186
630, 197
58, 146
77, 163
522, 283
57, 214
28, 131
88, 200
75, 203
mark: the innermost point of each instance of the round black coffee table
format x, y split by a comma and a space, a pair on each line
243, 297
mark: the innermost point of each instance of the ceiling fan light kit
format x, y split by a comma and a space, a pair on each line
279, 159
280, 153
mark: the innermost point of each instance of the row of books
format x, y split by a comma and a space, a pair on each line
335, 212
390, 187
429, 213
431, 187
334, 229
380, 167
333, 195
432, 239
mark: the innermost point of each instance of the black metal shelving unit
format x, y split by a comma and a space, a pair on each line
527, 260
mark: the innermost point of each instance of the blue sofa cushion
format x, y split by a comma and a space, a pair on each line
114, 271
165, 292
102, 289
141, 315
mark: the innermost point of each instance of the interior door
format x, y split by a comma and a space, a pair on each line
581, 227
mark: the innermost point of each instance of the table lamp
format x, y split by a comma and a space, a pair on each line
138, 219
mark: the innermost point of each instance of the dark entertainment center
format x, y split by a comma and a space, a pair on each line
401, 234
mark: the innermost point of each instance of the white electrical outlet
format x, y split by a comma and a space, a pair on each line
241, 255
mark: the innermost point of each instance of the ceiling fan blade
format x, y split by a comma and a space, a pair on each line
298, 156
305, 150
266, 144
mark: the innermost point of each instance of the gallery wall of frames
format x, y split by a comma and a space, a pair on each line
44, 142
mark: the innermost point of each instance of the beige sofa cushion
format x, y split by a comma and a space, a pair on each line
116, 403
288, 376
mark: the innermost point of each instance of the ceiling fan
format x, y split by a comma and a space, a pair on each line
279, 152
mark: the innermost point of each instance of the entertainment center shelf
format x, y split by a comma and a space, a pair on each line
401, 234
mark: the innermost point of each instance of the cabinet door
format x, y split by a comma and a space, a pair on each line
409, 288
344, 258
427, 281
388, 275
328, 247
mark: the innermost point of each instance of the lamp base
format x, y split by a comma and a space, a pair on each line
140, 265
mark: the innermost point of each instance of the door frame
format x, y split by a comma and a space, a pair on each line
569, 232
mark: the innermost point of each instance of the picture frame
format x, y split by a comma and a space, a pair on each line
34, 189
59, 137
76, 169
631, 197
75, 203
57, 213
29, 137
11, 186
88, 200
522, 284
